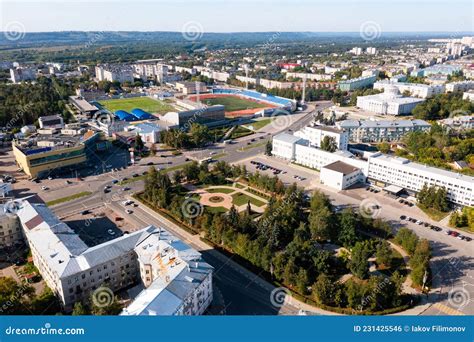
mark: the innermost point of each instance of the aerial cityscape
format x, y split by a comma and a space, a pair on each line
286, 171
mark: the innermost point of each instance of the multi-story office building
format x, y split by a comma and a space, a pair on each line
177, 281
357, 83
468, 95
391, 102
10, 230
316, 134
401, 172
383, 170
364, 131
415, 89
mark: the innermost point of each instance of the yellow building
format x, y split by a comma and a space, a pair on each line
44, 159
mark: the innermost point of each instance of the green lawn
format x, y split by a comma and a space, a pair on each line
239, 132
241, 199
232, 103
434, 214
253, 146
216, 210
146, 103
256, 125
220, 190
69, 198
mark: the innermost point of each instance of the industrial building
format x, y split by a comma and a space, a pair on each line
415, 89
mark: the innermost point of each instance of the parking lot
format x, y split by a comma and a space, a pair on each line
288, 173
98, 225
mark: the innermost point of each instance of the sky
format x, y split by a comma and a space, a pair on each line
237, 15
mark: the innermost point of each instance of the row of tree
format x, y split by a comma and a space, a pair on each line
433, 197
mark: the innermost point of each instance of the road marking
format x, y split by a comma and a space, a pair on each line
448, 310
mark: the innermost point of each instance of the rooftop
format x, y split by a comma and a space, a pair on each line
341, 167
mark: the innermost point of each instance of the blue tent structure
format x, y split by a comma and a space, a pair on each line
124, 116
141, 114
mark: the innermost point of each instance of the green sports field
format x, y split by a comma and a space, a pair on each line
232, 103
146, 103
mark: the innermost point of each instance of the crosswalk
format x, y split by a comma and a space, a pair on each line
447, 310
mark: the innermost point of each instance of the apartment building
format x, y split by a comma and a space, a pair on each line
365, 131
20, 74
177, 281
357, 83
311, 77
191, 87
415, 89
10, 229
459, 86
73, 270
114, 73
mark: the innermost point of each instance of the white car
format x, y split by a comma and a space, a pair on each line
44, 188
127, 202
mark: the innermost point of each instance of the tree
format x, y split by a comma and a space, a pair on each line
383, 253
324, 290
359, 264
384, 147
199, 134
268, 148
329, 144
79, 309
407, 239
347, 231
139, 145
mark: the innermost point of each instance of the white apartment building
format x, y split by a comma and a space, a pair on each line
312, 77
371, 50
177, 281
10, 229
114, 73
459, 86
151, 70
401, 172
17, 75
391, 102
468, 95
356, 51
363, 131
415, 89
459, 122
216, 75
191, 87
316, 134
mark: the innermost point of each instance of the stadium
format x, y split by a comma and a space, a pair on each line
238, 103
